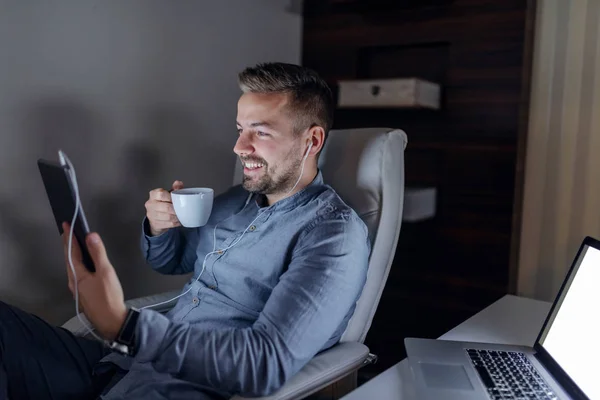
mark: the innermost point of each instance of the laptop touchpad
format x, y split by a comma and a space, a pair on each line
444, 376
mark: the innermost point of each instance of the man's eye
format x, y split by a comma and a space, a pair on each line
259, 133
239, 131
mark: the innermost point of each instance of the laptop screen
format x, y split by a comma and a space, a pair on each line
572, 335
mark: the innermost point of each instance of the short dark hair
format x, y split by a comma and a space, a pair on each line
311, 100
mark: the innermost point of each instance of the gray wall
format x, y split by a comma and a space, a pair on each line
138, 93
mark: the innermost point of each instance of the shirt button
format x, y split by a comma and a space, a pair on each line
195, 300
252, 228
212, 287
220, 252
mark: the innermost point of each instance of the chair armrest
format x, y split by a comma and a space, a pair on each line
324, 369
75, 326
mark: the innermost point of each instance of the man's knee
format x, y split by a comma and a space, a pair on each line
12, 320
4, 318
8, 314
5, 310
3, 306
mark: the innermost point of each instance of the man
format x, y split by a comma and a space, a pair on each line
276, 271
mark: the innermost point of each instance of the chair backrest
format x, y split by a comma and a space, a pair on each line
366, 168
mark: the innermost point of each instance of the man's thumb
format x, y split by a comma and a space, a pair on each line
97, 250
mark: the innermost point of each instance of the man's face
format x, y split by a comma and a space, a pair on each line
269, 150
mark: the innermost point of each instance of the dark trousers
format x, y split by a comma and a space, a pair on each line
40, 361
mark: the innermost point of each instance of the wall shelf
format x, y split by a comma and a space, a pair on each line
389, 93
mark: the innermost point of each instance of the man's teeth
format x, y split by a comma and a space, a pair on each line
253, 165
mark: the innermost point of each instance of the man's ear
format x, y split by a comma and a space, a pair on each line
316, 136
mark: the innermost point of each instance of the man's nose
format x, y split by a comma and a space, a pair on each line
243, 145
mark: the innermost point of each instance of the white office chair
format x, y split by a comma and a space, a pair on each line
366, 168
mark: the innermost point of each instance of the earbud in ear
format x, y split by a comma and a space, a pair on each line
308, 149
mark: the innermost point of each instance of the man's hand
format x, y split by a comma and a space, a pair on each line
159, 210
100, 293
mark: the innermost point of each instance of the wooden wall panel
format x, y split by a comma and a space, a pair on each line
452, 266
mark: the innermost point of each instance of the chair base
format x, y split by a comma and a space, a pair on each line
342, 386
337, 389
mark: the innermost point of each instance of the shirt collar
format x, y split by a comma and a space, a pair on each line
292, 201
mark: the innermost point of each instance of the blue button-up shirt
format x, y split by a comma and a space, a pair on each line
272, 286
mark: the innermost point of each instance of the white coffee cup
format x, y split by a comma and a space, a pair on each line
193, 206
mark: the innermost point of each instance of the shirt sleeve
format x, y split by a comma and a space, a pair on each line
172, 252
321, 286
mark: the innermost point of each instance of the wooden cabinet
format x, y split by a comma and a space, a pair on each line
479, 52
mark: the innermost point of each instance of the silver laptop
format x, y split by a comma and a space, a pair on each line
564, 362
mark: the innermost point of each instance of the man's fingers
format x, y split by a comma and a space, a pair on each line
75, 252
160, 216
97, 250
165, 195
160, 225
161, 207
160, 195
177, 185
175, 224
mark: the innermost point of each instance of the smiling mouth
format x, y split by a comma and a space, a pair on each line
252, 166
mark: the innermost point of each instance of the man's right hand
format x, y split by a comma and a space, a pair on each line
159, 210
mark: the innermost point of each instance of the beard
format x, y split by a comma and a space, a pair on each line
277, 179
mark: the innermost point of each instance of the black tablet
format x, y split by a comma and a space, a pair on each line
60, 189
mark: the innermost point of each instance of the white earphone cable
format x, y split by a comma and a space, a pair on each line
71, 171
236, 241
205, 257
73, 174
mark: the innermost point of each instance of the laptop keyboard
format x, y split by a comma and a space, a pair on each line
509, 375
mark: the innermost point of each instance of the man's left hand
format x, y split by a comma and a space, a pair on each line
100, 293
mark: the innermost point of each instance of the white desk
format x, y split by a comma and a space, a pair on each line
510, 320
